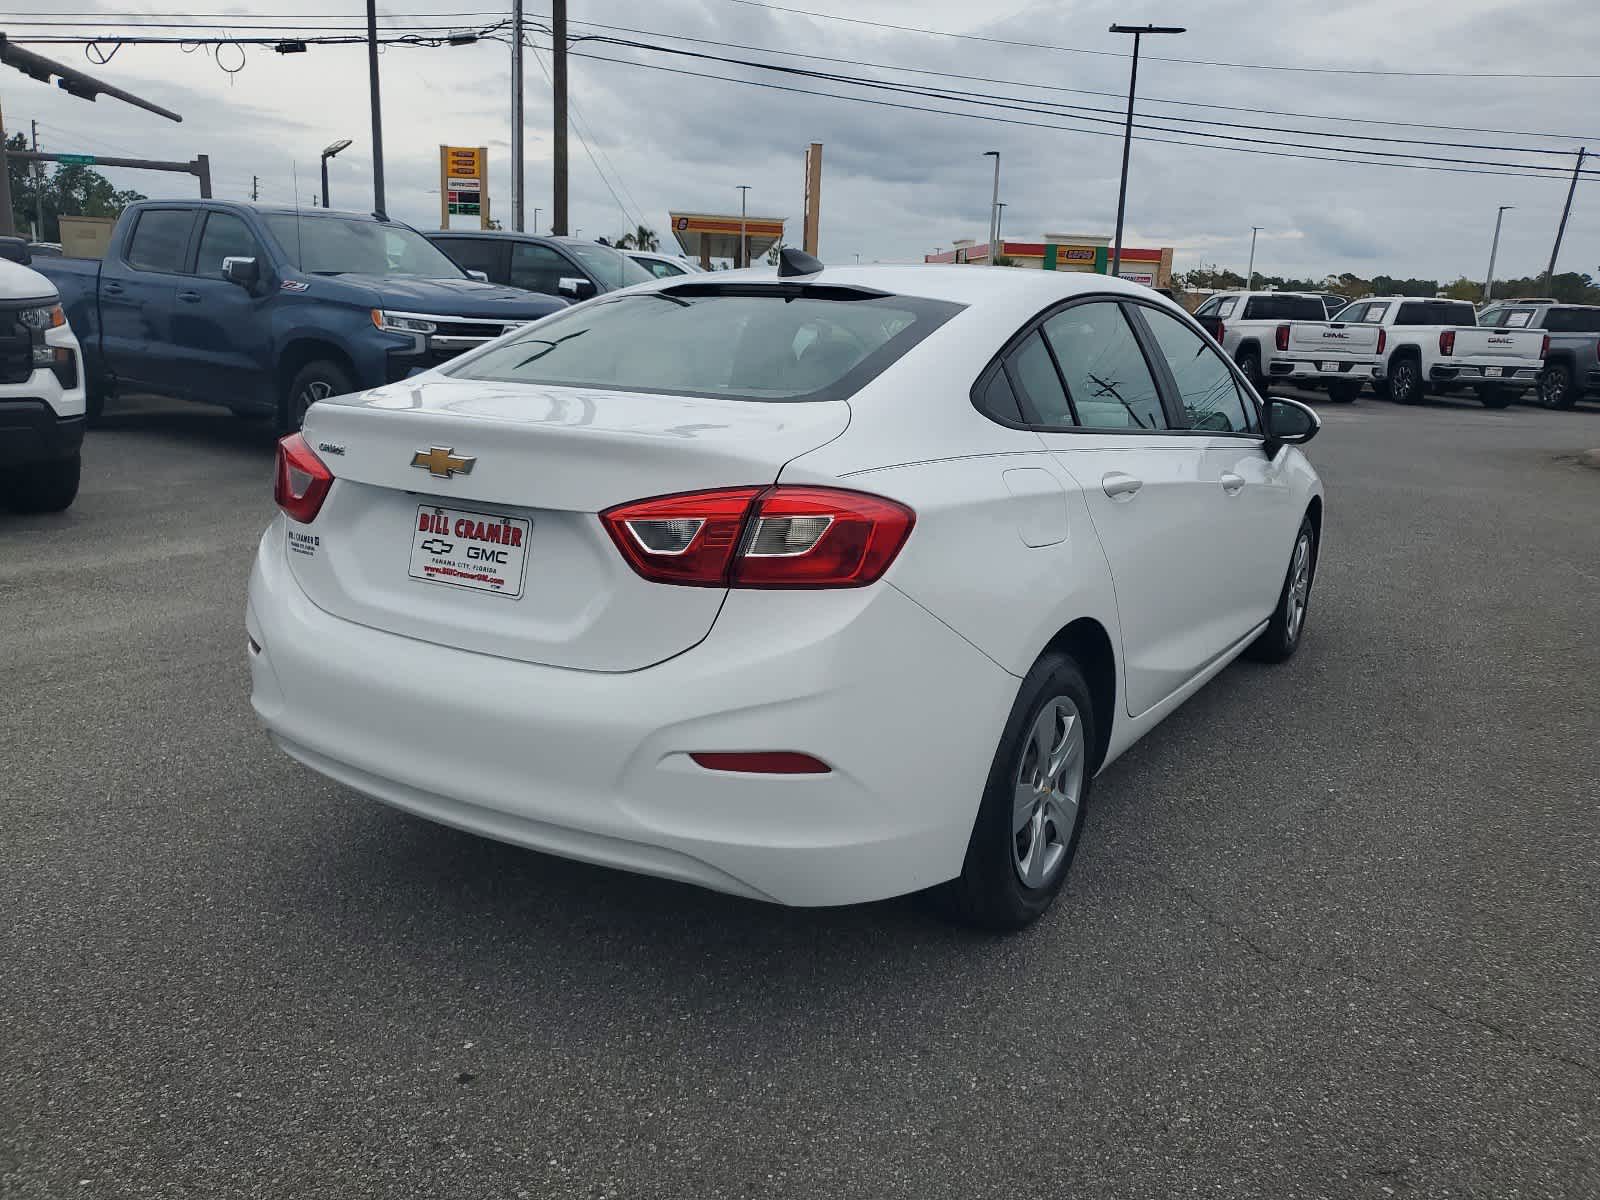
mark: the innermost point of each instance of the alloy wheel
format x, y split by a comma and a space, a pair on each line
1299, 590
317, 389
1044, 811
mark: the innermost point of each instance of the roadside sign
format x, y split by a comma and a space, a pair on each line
463, 180
77, 160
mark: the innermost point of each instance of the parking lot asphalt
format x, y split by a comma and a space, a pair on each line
1334, 930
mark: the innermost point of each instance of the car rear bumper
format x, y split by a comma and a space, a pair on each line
1486, 370
1323, 370
595, 766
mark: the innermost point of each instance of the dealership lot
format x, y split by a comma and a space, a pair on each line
1331, 932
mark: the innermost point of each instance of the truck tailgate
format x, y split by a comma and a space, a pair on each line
1330, 339
1478, 342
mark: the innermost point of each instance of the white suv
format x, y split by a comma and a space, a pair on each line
41, 393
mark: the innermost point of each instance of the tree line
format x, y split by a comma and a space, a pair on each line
70, 190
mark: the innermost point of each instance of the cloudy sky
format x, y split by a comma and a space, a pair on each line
900, 183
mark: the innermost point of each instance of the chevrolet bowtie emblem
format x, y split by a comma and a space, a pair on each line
441, 462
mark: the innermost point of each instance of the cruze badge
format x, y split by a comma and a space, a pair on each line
441, 462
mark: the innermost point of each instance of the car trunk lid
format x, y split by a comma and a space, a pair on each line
491, 543
1332, 339
1478, 342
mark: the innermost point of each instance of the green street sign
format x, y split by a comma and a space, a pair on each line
80, 160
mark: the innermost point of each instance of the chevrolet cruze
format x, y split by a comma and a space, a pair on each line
817, 587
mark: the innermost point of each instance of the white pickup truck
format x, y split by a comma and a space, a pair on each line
1286, 337
1436, 345
41, 391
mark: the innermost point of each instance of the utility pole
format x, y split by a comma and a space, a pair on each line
1494, 248
7, 221
38, 190
558, 81
1250, 271
1138, 32
517, 210
379, 206
994, 210
536, 211
1561, 230
744, 239
255, 188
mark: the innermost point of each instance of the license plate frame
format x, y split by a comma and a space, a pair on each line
443, 542
1493, 372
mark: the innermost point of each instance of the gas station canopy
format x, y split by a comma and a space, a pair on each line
705, 236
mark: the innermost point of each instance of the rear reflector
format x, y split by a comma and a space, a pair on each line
749, 537
301, 482
763, 762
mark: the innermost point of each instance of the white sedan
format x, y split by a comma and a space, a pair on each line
817, 588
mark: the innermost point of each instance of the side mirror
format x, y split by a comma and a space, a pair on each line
15, 249
1289, 422
480, 276
243, 272
575, 286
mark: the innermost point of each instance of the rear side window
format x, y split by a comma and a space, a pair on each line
1367, 314
1519, 320
1285, 308
998, 400
1572, 320
1436, 312
659, 268
1225, 309
160, 239
1037, 377
742, 342
1106, 374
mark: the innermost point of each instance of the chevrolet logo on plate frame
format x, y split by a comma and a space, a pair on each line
442, 463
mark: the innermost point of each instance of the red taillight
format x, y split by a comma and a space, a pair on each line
762, 762
1383, 339
776, 537
301, 482
1544, 347
1283, 337
1222, 331
1447, 341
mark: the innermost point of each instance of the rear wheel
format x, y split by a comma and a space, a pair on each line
1405, 382
1250, 363
1555, 386
1029, 821
44, 487
1281, 638
1380, 388
315, 381
1343, 391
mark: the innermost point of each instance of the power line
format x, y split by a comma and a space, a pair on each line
1198, 62
1275, 112
582, 140
1524, 173
994, 100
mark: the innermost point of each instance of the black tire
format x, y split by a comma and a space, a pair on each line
1405, 381
44, 487
1249, 361
1281, 638
314, 381
1555, 387
1380, 388
990, 892
1344, 391
1495, 397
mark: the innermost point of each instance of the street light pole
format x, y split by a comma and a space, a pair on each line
1494, 248
1138, 32
1561, 229
517, 198
999, 212
536, 211
994, 211
341, 144
1250, 271
379, 207
744, 244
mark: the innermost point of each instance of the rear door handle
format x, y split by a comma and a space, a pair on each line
1231, 483
114, 288
1116, 483
191, 297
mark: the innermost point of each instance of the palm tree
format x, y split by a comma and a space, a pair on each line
624, 241
644, 238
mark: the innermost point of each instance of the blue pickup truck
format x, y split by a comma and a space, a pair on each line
266, 310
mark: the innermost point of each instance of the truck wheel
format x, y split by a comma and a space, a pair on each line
1380, 388
44, 487
1343, 391
1250, 363
315, 381
1495, 397
1555, 386
1405, 382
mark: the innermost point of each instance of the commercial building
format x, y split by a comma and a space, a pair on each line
1068, 252
704, 236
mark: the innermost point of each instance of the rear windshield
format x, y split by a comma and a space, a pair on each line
1436, 312
742, 342
1285, 308
1572, 320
